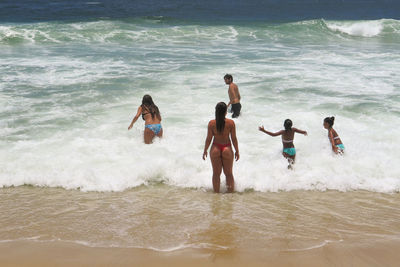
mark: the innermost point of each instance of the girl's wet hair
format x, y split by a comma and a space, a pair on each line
148, 104
329, 120
220, 112
288, 124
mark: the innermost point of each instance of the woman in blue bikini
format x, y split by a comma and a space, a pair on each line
337, 145
289, 151
151, 116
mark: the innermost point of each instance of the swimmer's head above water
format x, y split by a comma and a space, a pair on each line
228, 78
288, 125
328, 122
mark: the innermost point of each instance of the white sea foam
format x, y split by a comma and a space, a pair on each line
363, 29
63, 71
324, 243
108, 157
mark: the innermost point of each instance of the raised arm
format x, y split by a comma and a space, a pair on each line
208, 140
139, 111
300, 131
234, 141
261, 128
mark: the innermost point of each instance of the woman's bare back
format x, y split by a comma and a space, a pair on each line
224, 137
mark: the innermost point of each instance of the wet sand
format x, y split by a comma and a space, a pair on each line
157, 224
31, 253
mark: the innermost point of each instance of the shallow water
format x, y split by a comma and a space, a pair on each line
165, 218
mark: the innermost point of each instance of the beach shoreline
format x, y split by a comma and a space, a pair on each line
33, 253
155, 225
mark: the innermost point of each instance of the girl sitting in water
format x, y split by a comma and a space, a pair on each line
337, 145
289, 151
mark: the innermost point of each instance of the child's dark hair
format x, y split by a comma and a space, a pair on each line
288, 125
228, 77
329, 120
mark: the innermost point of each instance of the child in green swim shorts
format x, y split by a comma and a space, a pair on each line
289, 151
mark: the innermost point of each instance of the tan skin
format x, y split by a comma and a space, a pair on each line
233, 92
331, 135
286, 135
222, 160
148, 134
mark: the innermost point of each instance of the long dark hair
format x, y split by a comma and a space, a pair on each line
288, 125
220, 112
147, 103
329, 120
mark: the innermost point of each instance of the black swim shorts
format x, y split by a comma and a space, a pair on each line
236, 110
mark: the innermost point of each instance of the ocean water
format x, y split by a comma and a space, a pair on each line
70, 89
73, 76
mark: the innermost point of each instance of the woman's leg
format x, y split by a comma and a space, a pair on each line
148, 136
227, 163
216, 161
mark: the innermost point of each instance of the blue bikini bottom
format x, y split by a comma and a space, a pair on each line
291, 151
156, 128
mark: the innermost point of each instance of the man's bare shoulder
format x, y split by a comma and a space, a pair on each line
233, 86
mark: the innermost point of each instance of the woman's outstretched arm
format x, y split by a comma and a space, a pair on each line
139, 111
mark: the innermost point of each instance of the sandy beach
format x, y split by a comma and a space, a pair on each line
159, 224
66, 254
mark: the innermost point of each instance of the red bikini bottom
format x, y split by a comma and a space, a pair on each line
222, 146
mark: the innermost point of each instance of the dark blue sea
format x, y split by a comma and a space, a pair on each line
204, 11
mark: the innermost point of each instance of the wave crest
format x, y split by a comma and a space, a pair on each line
149, 30
363, 29
370, 28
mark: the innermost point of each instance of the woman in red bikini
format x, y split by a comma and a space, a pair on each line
221, 152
